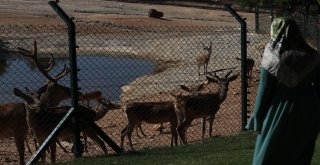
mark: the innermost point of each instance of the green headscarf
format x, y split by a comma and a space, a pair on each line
287, 56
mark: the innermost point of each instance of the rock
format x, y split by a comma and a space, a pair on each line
153, 13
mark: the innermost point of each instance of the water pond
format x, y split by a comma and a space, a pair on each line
104, 73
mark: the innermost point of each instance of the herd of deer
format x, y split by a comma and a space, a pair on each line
41, 111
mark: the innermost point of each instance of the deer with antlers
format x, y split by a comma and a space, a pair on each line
200, 105
13, 113
42, 113
203, 60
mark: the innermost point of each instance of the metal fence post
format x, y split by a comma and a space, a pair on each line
73, 73
257, 21
243, 63
71, 112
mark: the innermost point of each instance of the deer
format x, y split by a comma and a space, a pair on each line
200, 105
250, 64
43, 119
38, 103
101, 110
149, 112
87, 97
13, 124
11, 112
203, 60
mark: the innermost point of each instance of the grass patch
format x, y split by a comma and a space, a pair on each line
232, 150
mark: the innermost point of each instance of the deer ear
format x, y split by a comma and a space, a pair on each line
233, 77
201, 86
211, 79
22, 95
184, 88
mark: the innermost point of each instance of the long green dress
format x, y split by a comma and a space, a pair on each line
287, 120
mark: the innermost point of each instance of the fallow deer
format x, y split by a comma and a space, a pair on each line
87, 97
203, 60
200, 105
40, 120
250, 64
152, 113
13, 124
43, 119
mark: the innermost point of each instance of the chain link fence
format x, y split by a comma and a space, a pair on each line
127, 65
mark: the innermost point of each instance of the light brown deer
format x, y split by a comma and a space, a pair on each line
87, 97
200, 105
203, 60
152, 113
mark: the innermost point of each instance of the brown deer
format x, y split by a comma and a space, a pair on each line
101, 110
13, 124
250, 64
87, 97
200, 105
152, 113
203, 60
40, 120
43, 119
13, 113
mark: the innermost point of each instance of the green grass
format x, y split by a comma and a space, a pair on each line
234, 150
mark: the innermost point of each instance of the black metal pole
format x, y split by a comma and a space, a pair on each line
50, 139
243, 63
73, 73
257, 21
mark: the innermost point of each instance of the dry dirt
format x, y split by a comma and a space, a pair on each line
39, 12
14, 12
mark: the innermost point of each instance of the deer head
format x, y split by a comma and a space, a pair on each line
51, 91
32, 101
223, 83
194, 90
208, 48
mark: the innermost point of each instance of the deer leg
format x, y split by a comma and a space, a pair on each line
123, 134
53, 150
129, 134
28, 146
182, 129
174, 135
19, 140
44, 154
205, 69
85, 139
127, 131
138, 126
62, 147
96, 138
203, 122
211, 119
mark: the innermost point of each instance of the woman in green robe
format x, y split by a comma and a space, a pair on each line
287, 109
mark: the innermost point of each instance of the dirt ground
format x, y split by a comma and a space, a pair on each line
37, 12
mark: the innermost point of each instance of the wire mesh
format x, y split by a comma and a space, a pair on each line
128, 65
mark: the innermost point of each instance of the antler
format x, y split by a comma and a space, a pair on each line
207, 47
44, 70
